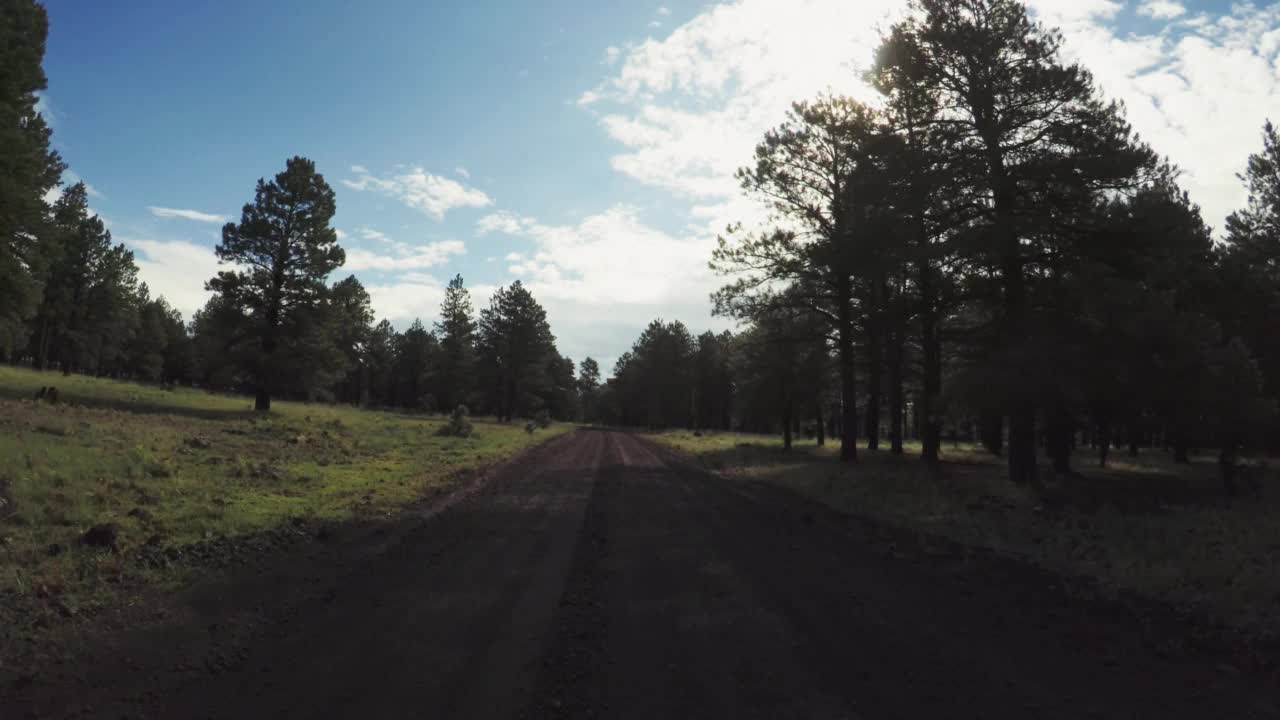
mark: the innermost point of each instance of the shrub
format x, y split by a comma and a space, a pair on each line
459, 424
543, 419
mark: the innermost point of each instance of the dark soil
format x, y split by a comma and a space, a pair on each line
600, 576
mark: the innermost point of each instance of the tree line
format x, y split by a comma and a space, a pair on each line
989, 242
70, 298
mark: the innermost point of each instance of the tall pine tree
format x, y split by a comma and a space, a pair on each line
455, 374
28, 167
283, 249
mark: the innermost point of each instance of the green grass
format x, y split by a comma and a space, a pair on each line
175, 467
1144, 526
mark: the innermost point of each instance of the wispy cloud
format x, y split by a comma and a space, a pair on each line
164, 212
431, 194
463, 172
404, 258
369, 233
1161, 9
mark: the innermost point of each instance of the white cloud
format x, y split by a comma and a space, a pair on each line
609, 274
404, 257
196, 215
1196, 89
176, 269
463, 172
687, 109
342, 235
655, 24
1161, 9
359, 170
368, 233
664, 11
431, 194
501, 221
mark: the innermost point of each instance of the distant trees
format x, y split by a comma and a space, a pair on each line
589, 390
283, 249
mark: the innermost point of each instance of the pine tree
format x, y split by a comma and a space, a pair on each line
810, 171
516, 345
350, 325
284, 248
1039, 145
455, 374
588, 389
28, 168
88, 310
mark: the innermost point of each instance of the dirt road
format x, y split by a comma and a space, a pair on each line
599, 576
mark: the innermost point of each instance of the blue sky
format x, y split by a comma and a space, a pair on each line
584, 147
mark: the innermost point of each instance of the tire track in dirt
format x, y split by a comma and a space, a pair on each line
696, 596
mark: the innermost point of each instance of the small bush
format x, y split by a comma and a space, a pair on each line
459, 424
543, 419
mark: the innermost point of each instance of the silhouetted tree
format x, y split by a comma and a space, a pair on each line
805, 170
1038, 143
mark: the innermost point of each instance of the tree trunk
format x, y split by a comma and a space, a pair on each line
992, 431
1181, 450
848, 392
1104, 443
786, 425
1059, 434
1227, 463
262, 399
874, 370
1022, 415
895, 391
819, 427
930, 427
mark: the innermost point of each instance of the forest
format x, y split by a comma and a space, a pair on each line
988, 250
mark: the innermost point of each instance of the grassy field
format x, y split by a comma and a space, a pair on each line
171, 468
1144, 526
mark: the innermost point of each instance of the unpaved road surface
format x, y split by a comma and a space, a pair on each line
600, 576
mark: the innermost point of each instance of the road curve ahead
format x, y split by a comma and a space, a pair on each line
600, 576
